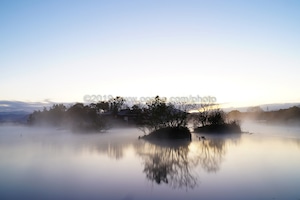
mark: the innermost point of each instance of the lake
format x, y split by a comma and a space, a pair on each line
43, 163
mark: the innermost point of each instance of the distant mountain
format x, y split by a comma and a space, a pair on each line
265, 107
14, 117
13, 106
21, 106
18, 111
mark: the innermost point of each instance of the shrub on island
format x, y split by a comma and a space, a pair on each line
232, 127
163, 120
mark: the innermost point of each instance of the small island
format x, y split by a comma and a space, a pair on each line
166, 121
169, 133
162, 121
214, 121
219, 128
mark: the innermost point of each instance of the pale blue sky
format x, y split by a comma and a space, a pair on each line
241, 52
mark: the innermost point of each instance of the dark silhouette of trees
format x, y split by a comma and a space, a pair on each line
157, 114
83, 118
212, 119
290, 115
102, 106
79, 117
208, 115
216, 117
54, 116
34, 118
116, 104
202, 115
57, 114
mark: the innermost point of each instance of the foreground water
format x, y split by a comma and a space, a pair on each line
56, 164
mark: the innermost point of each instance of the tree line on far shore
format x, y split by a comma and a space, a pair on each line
78, 117
154, 115
289, 115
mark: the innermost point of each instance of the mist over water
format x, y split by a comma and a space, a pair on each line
272, 129
45, 163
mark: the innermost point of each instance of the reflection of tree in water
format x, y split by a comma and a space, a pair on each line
176, 164
210, 154
168, 164
113, 150
112, 146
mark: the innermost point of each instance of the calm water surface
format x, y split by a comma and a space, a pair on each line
56, 164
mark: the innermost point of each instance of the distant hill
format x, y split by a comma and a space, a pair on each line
18, 111
288, 116
20, 106
265, 107
14, 117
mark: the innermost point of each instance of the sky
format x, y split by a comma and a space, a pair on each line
240, 52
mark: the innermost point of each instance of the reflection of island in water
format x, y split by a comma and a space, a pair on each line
176, 164
209, 154
168, 163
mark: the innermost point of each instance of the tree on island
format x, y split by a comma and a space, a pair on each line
162, 120
158, 117
100, 107
85, 118
115, 104
210, 118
